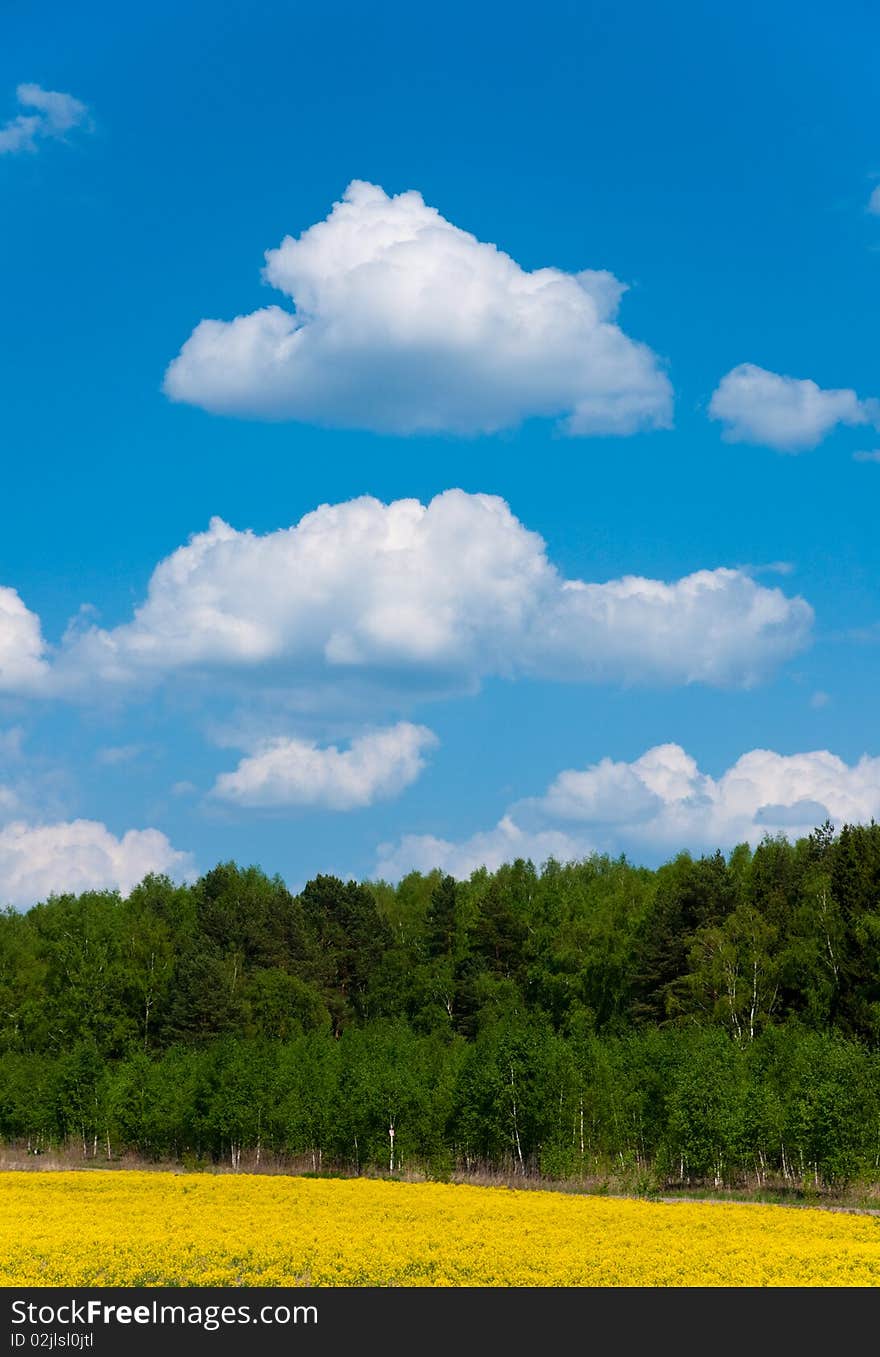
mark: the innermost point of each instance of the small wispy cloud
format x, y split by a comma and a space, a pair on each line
867, 456
54, 115
113, 755
767, 568
874, 202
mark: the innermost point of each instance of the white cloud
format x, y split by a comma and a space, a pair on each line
56, 114
873, 456
290, 772
42, 852
505, 843
22, 648
663, 798
786, 413
763, 791
456, 590
657, 805
874, 201
404, 323
39, 860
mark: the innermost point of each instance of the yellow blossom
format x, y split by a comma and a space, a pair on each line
106, 1228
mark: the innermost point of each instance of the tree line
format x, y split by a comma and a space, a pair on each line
713, 1018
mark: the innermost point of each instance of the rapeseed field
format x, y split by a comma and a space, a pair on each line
164, 1229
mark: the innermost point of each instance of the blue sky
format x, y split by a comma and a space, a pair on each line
719, 164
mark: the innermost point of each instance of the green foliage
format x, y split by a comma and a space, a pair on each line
712, 1018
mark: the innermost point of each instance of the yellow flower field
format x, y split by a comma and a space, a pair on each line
157, 1229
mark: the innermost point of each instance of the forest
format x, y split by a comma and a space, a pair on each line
714, 1020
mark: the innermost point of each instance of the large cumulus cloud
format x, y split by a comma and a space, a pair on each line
404, 323
458, 590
